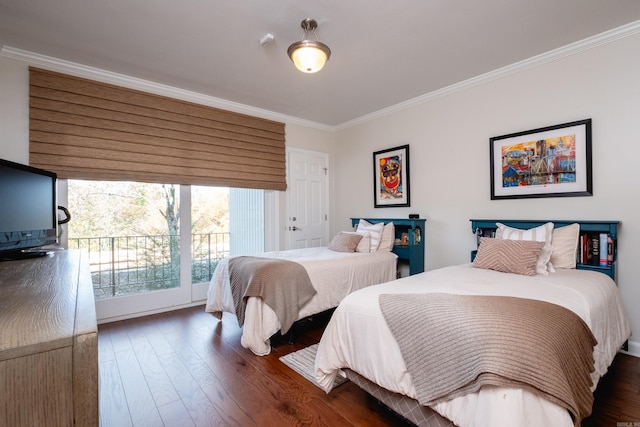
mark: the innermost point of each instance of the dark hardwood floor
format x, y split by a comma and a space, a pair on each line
186, 368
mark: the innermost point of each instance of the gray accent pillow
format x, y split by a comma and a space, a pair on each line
508, 256
345, 242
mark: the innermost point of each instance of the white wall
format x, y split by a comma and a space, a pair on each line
449, 155
14, 111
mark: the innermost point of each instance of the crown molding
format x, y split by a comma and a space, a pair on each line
104, 76
553, 55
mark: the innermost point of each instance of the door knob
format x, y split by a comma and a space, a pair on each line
294, 228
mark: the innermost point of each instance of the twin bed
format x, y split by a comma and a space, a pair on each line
518, 337
333, 271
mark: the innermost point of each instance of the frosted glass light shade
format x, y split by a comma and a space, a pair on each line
309, 56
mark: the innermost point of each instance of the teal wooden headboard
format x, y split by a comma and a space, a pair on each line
484, 227
413, 251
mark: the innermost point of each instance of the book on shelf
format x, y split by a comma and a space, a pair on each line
604, 258
485, 232
588, 248
596, 249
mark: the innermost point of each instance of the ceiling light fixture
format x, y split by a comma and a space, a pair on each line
307, 55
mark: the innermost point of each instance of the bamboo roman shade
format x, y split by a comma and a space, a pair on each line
83, 129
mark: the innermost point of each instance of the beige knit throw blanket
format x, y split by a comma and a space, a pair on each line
283, 285
454, 344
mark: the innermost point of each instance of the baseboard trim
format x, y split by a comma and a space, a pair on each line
634, 349
150, 312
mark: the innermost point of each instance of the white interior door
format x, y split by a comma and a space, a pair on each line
307, 224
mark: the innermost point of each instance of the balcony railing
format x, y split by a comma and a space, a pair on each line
133, 264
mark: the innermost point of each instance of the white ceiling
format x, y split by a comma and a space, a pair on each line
384, 52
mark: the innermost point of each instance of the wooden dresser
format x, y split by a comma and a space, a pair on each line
48, 342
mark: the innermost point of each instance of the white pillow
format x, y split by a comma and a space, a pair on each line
374, 229
542, 233
565, 243
544, 266
388, 237
365, 242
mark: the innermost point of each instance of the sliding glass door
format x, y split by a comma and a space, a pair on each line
155, 246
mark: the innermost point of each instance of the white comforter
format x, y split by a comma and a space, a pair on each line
358, 338
333, 275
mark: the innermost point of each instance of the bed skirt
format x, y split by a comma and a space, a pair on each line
408, 408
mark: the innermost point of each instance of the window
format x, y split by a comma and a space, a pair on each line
132, 233
210, 240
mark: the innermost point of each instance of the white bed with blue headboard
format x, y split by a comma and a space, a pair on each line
333, 271
513, 270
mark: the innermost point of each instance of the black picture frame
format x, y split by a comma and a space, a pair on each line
554, 161
391, 177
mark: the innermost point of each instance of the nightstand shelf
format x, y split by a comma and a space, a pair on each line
413, 252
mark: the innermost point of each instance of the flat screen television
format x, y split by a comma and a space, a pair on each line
28, 211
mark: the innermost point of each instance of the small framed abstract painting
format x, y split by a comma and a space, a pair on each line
391, 177
554, 161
